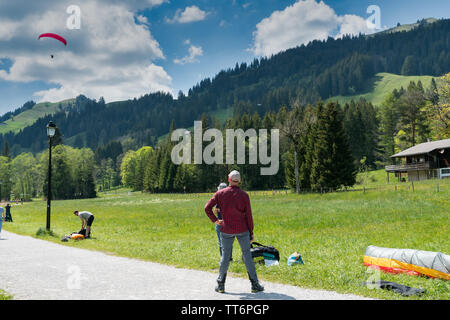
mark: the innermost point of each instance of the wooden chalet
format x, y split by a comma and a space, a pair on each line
424, 161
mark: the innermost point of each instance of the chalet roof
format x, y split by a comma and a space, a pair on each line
423, 148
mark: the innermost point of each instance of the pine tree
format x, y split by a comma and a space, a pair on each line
361, 125
152, 171
90, 191
164, 169
332, 162
181, 179
5, 150
298, 169
389, 118
438, 108
78, 142
57, 138
409, 67
412, 115
62, 180
308, 140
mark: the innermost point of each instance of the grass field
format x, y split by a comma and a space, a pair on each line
406, 27
382, 85
376, 178
30, 116
5, 296
331, 231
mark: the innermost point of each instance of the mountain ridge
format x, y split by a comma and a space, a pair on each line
320, 70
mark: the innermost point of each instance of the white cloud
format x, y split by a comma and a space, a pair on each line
7, 29
354, 25
300, 23
189, 14
142, 19
110, 55
128, 83
194, 52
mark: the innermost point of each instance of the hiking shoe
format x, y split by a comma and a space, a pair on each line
221, 284
220, 287
256, 287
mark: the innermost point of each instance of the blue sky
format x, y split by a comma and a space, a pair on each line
125, 49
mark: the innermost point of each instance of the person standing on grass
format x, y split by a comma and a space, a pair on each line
8, 217
216, 211
2, 217
236, 222
86, 221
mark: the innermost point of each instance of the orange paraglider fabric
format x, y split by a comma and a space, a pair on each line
77, 236
395, 266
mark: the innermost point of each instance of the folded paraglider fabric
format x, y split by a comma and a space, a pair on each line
77, 236
410, 261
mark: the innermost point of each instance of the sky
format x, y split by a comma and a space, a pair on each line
124, 49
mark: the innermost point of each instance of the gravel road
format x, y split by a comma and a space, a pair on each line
37, 269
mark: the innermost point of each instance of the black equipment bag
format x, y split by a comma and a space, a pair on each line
396, 287
260, 249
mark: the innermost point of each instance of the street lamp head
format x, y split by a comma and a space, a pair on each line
51, 129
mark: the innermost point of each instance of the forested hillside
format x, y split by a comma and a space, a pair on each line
319, 70
284, 91
28, 113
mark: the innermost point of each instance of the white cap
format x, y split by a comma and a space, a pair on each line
223, 185
235, 176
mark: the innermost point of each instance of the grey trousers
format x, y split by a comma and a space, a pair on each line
227, 245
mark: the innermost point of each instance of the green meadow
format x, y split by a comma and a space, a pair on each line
331, 232
381, 86
5, 296
30, 116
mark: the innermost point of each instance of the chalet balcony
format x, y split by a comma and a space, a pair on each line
410, 167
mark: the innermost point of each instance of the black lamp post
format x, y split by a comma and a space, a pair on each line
51, 129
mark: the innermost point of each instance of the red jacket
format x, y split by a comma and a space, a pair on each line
235, 209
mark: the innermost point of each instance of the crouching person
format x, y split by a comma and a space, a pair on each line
86, 221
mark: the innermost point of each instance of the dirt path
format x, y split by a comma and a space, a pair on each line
38, 269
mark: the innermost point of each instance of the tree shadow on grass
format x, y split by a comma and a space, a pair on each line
370, 84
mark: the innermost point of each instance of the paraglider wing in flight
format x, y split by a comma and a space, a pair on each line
54, 36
